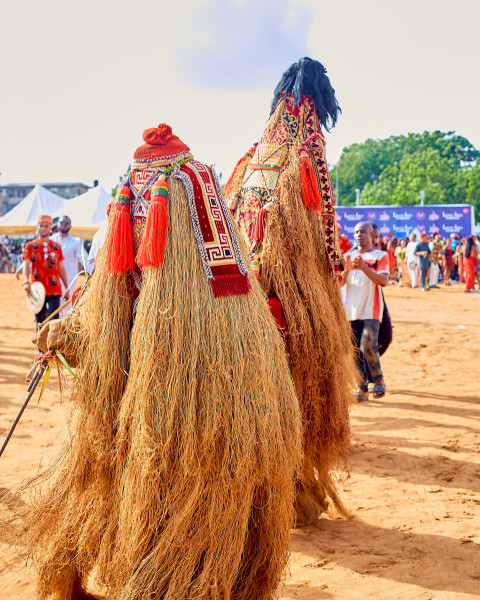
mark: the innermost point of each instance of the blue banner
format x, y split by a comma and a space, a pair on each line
405, 220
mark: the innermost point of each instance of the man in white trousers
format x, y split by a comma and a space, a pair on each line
412, 260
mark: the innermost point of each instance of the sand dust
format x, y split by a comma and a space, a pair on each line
414, 487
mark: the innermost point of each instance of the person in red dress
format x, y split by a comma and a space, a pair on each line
43, 262
343, 241
470, 255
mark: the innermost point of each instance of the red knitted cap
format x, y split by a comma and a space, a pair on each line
160, 143
44, 219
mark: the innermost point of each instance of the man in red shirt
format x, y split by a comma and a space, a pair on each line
43, 262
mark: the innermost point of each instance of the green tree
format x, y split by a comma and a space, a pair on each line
394, 170
120, 180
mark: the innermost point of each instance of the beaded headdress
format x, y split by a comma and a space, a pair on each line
163, 150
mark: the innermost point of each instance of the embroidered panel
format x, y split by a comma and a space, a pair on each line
216, 239
295, 125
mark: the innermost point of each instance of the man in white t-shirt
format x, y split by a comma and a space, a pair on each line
412, 260
367, 269
75, 257
97, 242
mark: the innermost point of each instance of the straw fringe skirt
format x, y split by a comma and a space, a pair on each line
178, 479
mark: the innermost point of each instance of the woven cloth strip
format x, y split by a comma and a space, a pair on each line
214, 232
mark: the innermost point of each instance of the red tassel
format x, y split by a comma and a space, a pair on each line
259, 226
310, 193
120, 257
230, 285
150, 253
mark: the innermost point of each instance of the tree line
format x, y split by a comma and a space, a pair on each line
444, 165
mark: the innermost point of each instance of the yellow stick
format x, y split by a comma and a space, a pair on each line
55, 312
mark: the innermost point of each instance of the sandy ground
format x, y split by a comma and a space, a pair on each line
414, 486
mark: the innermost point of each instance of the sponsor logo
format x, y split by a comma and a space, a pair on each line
466, 210
384, 217
354, 217
384, 229
371, 216
455, 216
452, 228
433, 229
433, 216
339, 217
421, 215
402, 216
421, 228
402, 229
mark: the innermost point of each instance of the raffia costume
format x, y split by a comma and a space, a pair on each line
178, 480
282, 200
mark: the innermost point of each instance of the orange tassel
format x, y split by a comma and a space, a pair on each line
310, 193
120, 257
150, 253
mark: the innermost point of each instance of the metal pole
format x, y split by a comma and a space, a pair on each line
357, 195
337, 166
422, 197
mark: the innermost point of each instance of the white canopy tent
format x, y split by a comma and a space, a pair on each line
88, 212
23, 217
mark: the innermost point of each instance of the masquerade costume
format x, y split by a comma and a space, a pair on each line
281, 196
178, 481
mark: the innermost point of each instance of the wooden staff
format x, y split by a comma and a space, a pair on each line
56, 311
40, 370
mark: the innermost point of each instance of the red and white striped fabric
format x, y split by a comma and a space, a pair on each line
363, 299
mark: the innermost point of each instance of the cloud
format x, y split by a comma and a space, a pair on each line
242, 44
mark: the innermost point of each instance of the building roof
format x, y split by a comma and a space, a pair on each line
48, 184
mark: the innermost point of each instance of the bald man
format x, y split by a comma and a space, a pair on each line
367, 271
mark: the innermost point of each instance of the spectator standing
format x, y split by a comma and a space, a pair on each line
97, 242
447, 261
43, 261
367, 270
378, 240
54, 226
385, 335
458, 257
392, 259
344, 243
434, 263
4, 258
74, 254
412, 260
400, 254
470, 255
422, 251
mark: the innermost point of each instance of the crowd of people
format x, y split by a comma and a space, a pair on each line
53, 257
425, 260
212, 401
11, 251
374, 262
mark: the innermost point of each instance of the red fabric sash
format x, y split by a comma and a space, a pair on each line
216, 238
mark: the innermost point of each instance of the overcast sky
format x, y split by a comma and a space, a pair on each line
81, 81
